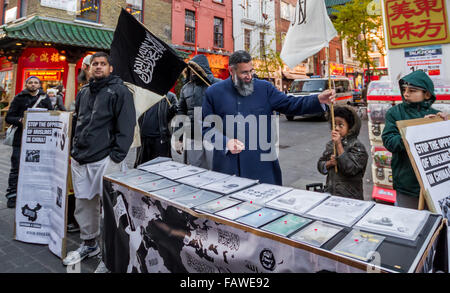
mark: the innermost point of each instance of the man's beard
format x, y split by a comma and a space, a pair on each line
243, 88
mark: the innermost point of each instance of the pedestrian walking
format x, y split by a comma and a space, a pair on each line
31, 97
351, 156
243, 96
57, 101
418, 96
105, 119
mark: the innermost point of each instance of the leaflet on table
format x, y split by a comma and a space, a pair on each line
175, 191
139, 179
156, 185
297, 201
161, 167
394, 221
261, 217
197, 198
340, 210
286, 225
316, 234
178, 173
205, 178
230, 184
261, 193
238, 211
218, 205
359, 245
126, 174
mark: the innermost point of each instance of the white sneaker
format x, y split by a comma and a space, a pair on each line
81, 253
101, 268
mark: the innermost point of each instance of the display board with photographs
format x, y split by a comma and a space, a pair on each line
286, 225
261, 193
238, 211
218, 205
359, 245
178, 173
175, 191
230, 184
316, 234
394, 221
297, 201
204, 178
340, 210
261, 217
161, 167
196, 198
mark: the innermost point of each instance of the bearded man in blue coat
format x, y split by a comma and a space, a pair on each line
238, 121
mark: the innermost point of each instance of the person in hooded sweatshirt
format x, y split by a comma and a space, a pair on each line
418, 96
191, 98
351, 156
31, 96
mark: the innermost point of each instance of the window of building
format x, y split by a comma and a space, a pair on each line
136, 8
3, 12
338, 56
349, 51
218, 1
218, 32
89, 10
247, 39
189, 27
262, 45
245, 5
22, 8
376, 62
374, 47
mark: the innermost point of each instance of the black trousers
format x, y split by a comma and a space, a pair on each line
14, 173
152, 148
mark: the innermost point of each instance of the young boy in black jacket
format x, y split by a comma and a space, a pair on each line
351, 156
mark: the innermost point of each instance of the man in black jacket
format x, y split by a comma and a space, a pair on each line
24, 100
191, 99
104, 130
154, 128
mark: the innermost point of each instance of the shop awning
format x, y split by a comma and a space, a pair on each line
60, 32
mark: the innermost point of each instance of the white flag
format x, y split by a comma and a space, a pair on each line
310, 31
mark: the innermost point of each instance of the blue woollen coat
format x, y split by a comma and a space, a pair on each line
223, 99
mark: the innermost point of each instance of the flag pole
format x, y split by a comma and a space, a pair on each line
333, 124
207, 83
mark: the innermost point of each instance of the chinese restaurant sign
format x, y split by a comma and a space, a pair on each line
416, 23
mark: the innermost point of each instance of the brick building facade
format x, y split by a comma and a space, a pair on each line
50, 40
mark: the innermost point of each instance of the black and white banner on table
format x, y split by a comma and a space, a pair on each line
140, 58
42, 188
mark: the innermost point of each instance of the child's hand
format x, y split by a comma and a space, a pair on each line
332, 162
442, 115
335, 137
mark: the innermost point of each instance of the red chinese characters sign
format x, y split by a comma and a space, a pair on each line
416, 22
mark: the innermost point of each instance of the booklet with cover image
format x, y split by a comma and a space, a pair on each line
316, 234
261, 193
175, 191
238, 211
360, 245
261, 217
218, 205
286, 225
297, 201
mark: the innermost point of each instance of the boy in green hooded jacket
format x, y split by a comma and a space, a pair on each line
417, 91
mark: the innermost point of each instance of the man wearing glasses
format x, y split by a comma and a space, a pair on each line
237, 120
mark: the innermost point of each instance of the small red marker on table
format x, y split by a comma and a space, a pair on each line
285, 222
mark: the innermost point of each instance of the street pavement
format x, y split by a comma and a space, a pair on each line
302, 141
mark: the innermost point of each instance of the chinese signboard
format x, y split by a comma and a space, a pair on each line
416, 23
337, 69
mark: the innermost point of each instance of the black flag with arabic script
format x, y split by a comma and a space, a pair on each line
140, 58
